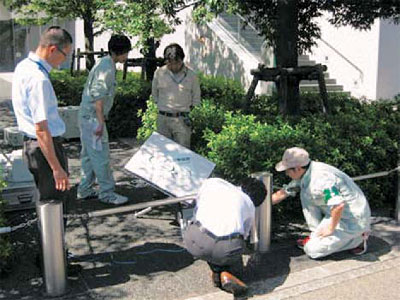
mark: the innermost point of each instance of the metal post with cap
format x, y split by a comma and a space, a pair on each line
262, 233
51, 226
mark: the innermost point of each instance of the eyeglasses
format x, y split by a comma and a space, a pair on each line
61, 51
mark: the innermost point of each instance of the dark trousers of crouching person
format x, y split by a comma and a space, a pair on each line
221, 253
223, 218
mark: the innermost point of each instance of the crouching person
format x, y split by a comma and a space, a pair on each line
334, 207
223, 217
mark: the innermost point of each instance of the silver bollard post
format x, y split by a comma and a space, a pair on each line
52, 238
263, 214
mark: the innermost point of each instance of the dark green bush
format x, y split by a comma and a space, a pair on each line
359, 141
358, 138
130, 98
67, 88
5, 246
226, 93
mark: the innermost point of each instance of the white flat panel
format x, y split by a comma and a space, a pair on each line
169, 166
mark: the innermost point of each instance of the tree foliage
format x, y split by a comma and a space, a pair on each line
264, 15
145, 19
291, 27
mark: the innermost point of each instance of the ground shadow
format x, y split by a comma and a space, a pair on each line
147, 261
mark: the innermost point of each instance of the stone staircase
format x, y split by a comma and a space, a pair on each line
248, 37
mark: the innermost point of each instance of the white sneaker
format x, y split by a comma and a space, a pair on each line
91, 195
115, 199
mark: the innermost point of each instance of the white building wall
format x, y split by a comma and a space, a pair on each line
214, 51
4, 13
388, 73
351, 56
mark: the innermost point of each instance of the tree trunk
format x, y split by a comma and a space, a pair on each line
89, 41
149, 54
287, 55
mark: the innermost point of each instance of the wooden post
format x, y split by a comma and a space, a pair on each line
397, 212
250, 92
72, 63
125, 70
142, 74
78, 63
322, 89
283, 91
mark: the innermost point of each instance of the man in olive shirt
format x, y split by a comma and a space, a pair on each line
175, 90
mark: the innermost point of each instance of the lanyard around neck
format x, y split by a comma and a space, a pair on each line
41, 68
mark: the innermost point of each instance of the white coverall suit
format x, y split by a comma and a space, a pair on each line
321, 188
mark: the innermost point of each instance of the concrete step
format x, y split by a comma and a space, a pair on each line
302, 62
304, 57
315, 82
315, 88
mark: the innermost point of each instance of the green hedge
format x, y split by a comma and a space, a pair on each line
5, 246
130, 97
358, 138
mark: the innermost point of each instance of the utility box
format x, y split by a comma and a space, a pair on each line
20, 192
70, 116
20, 196
13, 137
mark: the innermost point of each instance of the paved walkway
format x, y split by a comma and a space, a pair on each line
124, 257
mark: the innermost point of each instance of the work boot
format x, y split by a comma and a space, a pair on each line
362, 248
232, 284
216, 279
300, 243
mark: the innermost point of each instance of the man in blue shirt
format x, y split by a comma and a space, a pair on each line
35, 107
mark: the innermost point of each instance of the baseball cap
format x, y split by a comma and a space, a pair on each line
293, 157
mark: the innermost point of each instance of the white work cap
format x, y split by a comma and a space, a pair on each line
292, 158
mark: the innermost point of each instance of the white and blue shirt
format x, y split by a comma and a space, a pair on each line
33, 97
223, 208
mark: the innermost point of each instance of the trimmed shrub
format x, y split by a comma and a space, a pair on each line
130, 98
357, 143
149, 120
5, 246
226, 93
358, 138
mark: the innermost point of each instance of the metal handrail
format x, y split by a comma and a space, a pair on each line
344, 57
